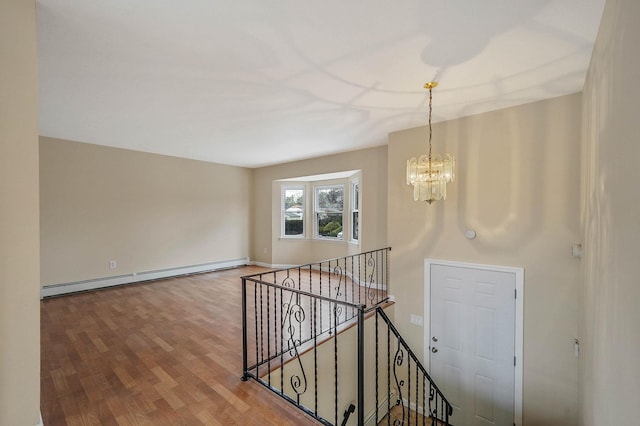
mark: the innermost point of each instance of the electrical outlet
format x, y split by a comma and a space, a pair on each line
113, 264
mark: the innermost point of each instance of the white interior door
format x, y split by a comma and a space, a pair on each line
472, 342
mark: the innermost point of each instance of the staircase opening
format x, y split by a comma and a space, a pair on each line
318, 336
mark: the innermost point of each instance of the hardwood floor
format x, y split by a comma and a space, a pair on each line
412, 417
167, 352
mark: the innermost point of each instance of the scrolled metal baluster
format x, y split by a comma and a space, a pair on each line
289, 282
353, 287
398, 361
337, 270
425, 411
299, 385
371, 266
296, 315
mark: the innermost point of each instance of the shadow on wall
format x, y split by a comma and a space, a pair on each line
499, 191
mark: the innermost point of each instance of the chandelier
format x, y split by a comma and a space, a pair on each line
430, 174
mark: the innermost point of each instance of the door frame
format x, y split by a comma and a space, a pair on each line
519, 318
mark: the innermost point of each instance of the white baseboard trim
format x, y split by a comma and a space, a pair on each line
263, 264
40, 422
276, 266
73, 287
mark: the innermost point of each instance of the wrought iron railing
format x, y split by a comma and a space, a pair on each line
359, 279
304, 338
412, 397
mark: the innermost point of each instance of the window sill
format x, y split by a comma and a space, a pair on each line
329, 240
317, 240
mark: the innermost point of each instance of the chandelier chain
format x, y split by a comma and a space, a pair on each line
430, 109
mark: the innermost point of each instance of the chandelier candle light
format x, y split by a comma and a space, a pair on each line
429, 174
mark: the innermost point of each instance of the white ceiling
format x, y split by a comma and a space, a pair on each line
260, 82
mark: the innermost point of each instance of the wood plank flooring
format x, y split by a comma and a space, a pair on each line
412, 417
167, 352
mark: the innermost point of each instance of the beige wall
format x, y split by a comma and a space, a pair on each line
19, 261
610, 297
266, 215
145, 211
518, 187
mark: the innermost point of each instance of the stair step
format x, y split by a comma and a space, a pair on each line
409, 418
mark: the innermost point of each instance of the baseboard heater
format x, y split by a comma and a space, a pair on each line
77, 286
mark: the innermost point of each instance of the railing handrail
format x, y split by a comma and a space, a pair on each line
304, 266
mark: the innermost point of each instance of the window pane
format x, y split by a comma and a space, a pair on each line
329, 205
330, 199
293, 211
330, 225
354, 226
356, 198
355, 202
293, 198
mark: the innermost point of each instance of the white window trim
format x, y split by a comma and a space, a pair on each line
283, 190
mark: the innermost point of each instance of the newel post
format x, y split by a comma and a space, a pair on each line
244, 330
361, 365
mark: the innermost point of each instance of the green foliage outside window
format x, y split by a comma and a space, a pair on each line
293, 227
329, 224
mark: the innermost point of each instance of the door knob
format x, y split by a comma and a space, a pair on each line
434, 350
434, 338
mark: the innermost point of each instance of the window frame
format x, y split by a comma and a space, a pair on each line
316, 230
283, 215
354, 203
